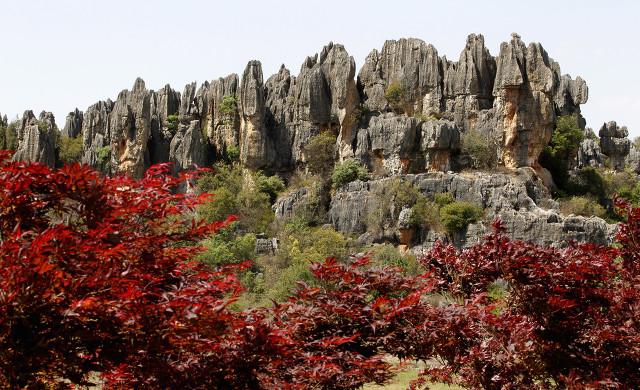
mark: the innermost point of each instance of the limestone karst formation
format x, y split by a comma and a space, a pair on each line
404, 112
512, 98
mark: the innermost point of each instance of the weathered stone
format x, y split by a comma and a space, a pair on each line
518, 200
130, 129
73, 124
615, 144
633, 159
96, 138
439, 141
285, 207
165, 105
389, 144
37, 138
523, 104
256, 148
188, 146
413, 65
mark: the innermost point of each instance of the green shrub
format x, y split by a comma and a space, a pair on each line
360, 114
43, 126
582, 205
565, 140
70, 149
319, 154
585, 181
481, 149
443, 198
396, 94
387, 255
270, 185
631, 194
348, 171
236, 192
227, 248
619, 182
103, 158
172, 122
458, 215
229, 105
232, 154
425, 214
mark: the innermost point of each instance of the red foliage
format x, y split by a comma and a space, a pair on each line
96, 279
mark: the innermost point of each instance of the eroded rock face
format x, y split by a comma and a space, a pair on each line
439, 142
615, 144
520, 201
37, 138
513, 98
73, 124
633, 159
165, 104
256, 148
388, 144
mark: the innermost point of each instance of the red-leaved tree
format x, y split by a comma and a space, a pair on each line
96, 282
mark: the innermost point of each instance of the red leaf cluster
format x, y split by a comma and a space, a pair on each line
96, 280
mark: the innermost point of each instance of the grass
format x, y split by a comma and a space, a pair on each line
404, 378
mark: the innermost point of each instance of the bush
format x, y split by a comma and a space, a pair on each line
389, 200
70, 149
387, 255
348, 171
232, 154
581, 205
270, 185
458, 215
319, 154
443, 198
481, 150
562, 149
227, 248
103, 158
229, 105
238, 192
617, 182
396, 94
173, 121
426, 214
585, 181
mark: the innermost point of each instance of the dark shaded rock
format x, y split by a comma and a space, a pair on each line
73, 124
165, 105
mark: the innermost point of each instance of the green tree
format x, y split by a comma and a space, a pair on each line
70, 149
348, 171
319, 154
564, 144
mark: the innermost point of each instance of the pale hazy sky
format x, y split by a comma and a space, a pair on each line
61, 54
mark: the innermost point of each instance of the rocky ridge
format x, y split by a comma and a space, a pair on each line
512, 99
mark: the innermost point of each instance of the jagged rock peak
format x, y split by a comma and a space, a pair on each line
73, 124
37, 138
